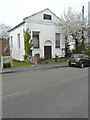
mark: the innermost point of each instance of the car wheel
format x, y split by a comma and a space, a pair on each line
82, 65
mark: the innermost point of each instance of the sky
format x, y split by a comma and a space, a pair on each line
12, 12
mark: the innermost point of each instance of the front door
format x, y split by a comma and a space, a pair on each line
47, 52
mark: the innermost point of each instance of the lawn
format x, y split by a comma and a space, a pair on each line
23, 63
20, 64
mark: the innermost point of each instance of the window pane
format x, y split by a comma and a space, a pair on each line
57, 37
18, 40
11, 41
35, 39
48, 17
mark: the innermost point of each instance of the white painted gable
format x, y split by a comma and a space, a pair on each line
38, 17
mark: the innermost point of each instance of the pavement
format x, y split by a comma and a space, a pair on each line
34, 67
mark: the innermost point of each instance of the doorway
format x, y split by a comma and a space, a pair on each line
47, 52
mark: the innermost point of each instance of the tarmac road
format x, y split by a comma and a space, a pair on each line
50, 93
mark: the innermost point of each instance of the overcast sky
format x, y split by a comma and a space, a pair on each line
12, 12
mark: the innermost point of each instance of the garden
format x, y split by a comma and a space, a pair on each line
17, 63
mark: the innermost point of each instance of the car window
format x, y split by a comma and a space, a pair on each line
76, 56
82, 56
79, 56
85, 56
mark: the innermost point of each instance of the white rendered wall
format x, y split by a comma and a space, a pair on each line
47, 29
17, 53
47, 32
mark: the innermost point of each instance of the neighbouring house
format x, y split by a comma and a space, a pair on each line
1, 45
48, 38
4, 47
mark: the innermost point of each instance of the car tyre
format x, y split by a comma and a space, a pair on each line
82, 65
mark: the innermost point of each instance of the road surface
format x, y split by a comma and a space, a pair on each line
50, 93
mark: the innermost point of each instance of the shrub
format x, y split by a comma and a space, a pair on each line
23, 61
25, 57
41, 59
0, 55
87, 52
46, 62
6, 65
18, 61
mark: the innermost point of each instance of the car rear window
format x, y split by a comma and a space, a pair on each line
77, 56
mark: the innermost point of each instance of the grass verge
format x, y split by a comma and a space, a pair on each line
20, 64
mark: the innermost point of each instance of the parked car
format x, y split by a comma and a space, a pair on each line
80, 60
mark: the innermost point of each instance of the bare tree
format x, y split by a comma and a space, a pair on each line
74, 27
4, 30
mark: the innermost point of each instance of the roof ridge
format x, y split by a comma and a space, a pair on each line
40, 12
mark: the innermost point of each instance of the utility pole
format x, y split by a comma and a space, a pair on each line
83, 45
82, 23
82, 13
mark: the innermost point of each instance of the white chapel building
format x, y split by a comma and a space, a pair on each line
45, 30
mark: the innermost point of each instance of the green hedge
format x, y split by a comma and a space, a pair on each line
6, 65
